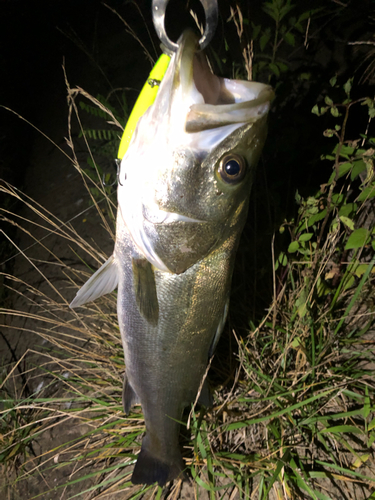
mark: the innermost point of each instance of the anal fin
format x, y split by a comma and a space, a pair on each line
145, 289
219, 329
205, 396
129, 396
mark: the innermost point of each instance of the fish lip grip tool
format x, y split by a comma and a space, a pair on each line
159, 8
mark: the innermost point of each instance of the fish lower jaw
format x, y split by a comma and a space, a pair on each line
157, 216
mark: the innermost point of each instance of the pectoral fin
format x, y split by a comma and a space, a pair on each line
104, 281
145, 289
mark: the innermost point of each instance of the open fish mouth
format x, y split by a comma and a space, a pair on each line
215, 101
206, 107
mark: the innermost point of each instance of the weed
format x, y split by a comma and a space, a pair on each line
293, 417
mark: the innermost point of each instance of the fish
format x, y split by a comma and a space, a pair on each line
183, 195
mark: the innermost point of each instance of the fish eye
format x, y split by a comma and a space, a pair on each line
232, 168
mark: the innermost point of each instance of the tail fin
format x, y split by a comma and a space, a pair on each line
150, 469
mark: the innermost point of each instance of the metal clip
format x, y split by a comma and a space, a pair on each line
159, 8
118, 166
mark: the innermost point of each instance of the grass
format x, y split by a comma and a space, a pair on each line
293, 414
296, 420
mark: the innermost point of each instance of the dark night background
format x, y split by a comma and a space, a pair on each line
36, 37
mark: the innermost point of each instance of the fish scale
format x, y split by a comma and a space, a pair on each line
183, 197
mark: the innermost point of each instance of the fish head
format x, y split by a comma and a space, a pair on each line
186, 177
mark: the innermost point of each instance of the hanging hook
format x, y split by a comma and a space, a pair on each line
159, 8
118, 166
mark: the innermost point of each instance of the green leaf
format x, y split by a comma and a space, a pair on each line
358, 238
301, 304
285, 9
344, 168
315, 110
305, 237
348, 86
335, 112
290, 39
328, 100
297, 343
282, 260
345, 151
367, 405
339, 429
256, 31
361, 269
367, 193
271, 9
333, 81
275, 69
264, 39
345, 470
337, 198
348, 222
293, 247
359, 166
283, 67
348, 209
316, 217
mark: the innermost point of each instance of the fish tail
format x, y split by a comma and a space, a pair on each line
149, 469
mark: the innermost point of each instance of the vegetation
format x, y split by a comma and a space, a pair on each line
294, 409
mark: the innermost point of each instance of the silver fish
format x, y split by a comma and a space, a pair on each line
183, 196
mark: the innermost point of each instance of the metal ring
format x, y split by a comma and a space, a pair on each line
159, 8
